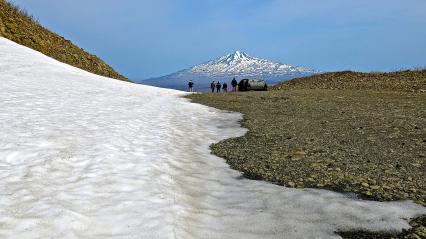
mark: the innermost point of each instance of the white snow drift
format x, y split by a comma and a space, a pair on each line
83, 156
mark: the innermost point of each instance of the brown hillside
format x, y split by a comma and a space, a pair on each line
405, 81
18, 26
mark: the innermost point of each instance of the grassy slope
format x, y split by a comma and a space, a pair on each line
18, 26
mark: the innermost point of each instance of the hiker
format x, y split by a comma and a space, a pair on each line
234, 84
190, 85
218, 86
212, 86
225, 87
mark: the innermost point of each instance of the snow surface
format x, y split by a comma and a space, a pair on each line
83, 156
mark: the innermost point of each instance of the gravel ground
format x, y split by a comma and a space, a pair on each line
364, 142
401, 81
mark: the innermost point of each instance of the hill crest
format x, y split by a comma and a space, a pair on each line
405, 81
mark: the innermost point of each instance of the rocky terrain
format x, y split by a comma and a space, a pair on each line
20, 27
407, 81
370, 143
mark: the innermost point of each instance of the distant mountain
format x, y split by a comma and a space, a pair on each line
238, 64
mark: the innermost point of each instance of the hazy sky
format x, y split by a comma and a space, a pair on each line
142, 38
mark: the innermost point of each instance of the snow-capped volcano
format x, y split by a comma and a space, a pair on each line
238, 64
242, 63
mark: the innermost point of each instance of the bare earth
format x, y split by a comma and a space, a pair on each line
365, 142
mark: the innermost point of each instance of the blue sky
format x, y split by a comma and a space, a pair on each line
142, 38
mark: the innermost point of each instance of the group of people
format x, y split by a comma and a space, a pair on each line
216, 86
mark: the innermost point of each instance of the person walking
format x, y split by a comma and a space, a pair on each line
190, 86
234, 84
225, 87
212, 86
218, 86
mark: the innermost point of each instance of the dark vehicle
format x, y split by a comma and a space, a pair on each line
248, 84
